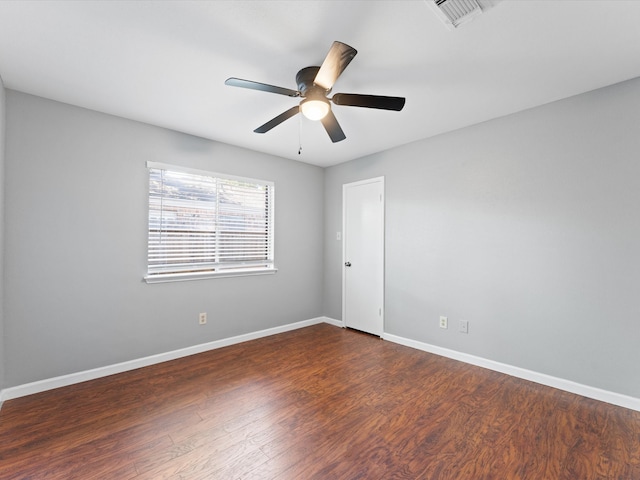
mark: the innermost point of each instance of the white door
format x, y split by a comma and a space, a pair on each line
363, 255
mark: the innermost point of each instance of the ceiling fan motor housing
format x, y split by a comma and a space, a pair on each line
306, 87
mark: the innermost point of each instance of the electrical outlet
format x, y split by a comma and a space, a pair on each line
464, 326
202, 318
444, 322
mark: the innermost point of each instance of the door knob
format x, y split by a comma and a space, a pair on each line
347, 264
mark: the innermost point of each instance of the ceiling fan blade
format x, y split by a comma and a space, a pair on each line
369, 101
332, 127
274, 122
339, 56
238, 82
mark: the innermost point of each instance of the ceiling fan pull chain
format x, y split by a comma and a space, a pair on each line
299, 134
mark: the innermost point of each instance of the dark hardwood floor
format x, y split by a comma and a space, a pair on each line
316, 403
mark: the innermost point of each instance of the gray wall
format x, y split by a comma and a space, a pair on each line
75, 237
2, 143
527, 226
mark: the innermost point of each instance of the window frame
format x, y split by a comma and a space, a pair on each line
224, 272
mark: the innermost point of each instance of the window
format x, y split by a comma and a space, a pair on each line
204, 225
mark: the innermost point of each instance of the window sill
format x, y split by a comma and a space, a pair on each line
182, 277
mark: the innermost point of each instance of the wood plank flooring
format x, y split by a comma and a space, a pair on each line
316, 403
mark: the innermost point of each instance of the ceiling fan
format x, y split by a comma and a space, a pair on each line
314, 84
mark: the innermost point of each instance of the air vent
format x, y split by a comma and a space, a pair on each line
459, 11
456, 12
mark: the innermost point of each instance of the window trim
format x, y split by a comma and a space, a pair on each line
183, 277
226, 273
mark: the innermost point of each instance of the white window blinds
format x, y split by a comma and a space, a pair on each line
203, 224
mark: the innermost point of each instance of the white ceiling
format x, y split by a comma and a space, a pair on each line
165, 63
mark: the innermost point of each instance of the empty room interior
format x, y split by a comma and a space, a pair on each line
320, 239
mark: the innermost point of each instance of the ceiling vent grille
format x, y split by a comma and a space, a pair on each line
456, 12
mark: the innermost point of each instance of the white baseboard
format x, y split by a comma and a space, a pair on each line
73, 378
541, 378
333, 321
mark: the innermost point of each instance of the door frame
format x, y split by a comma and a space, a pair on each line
345, 186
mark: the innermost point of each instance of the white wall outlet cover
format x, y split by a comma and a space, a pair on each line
464, 326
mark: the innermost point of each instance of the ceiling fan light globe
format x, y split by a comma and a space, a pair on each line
314, 109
